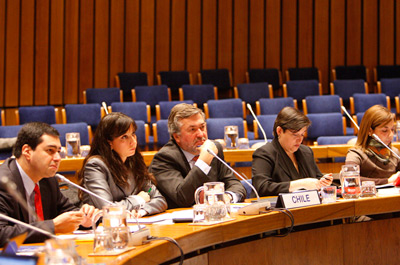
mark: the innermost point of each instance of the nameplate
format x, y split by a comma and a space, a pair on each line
299, 199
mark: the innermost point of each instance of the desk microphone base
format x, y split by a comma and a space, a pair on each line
254, 208
138, 237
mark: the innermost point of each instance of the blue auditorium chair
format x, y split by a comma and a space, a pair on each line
252, 92
326, 124
221, 78
267, 123
346, 88
266, 106
136, 110
160, 133
386, 71
350, 72
362, 102
301, 88
215, 127
99, 95
322, 104
270, 75
174, 80
163, 108
88, 113
225, 108
200, 94
303, 73
46, 114
8, 132
128, 81
82, 128
151, 94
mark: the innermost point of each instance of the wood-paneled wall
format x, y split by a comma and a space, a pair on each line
52, 50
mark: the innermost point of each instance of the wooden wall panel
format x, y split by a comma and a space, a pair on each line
86, 44
273, 34
370, 35
162, 52
101, 43
2, 46
147, 39
397, 15
178, 35
117, 26
56, 66
353, 32
193, 35
305, 34
256, 33
289, 34
337, 33
209, 34
225, 34
71, 71
132, 36
386, 32
321, 42
12, 53
240, 41
27, 51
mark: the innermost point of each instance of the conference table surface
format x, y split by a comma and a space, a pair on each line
195, 238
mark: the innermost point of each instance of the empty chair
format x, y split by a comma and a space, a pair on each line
142, 133
215, 127
8, 132
303, 73
160, 133
136, 110
362, 102
127, 81
46, 114
221, 78
322, 104
252, 92
389, 86
163, 108
88, 113
266, 106
357, 119
330, 140
99, 95
174, 80
386, 71
151, 94
302, 88
225, 108
346, 88
326, 124
200, 94
85, 131
267, 123
350, 72
270, 75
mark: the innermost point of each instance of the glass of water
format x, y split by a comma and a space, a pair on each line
73, 144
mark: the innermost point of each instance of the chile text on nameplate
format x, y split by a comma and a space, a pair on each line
299, 199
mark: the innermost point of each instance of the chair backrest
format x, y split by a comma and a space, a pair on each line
326, 124
174, 79
322, 104
269, 75
267, 123
128, 81
220, 78
80, 127
135, 110
215, 127
151, 94
200, 94
160, 131
389, 86
346, 88
362, 102
252, 92
329, 140
163, 108
304, 73
358, 117
46, 114
224, 108
8, 132
350, 72
301, 88
387, 71
267, 106
99, 95
142, 133
88, 113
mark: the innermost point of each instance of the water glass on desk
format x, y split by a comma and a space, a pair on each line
231, 136
73, 144
214, 200
328, 194
350, 180
368, 189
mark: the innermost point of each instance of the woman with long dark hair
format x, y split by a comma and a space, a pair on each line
115, 169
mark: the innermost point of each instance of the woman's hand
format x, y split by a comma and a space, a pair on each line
326, 180
144, 195
393, 178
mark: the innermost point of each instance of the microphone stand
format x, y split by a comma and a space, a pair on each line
104, 106
258, 122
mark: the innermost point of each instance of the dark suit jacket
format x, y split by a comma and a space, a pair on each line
54, 204
177, 182
273, 170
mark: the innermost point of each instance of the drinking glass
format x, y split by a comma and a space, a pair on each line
73, 144
231, 136
328, 194
350, 180
368, 189
102, 241
214, 201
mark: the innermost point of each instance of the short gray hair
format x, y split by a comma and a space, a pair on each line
179, 112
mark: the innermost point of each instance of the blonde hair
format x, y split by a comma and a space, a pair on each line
374, 117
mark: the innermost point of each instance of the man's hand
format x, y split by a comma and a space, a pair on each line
68, 222
89, 212
204, 155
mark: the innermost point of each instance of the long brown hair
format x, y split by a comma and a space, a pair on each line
375, 116
110, 127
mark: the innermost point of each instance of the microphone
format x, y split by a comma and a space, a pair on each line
351, 119
258, 122
253, 208
61, 177
104, 106
16, 221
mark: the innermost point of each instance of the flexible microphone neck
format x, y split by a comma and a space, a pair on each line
104, 106
258, 122
234, 171
85, 190
351, 119
385, 145
16, 221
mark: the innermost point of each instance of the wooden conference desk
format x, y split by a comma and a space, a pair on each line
243, 241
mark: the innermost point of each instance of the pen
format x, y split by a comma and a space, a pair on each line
149, 190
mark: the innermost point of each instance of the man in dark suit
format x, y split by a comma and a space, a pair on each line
183, 164
36, 162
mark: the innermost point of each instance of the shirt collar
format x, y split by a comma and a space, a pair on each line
188, 155
29, 185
